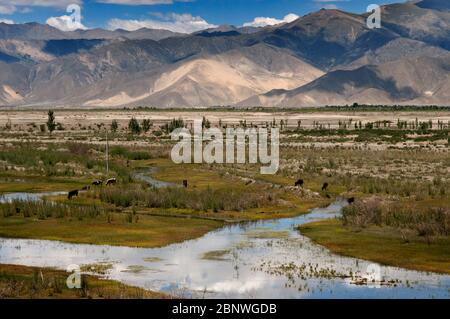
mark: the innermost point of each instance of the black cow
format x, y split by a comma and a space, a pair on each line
111, 181
351, 200
97, 183
72, 194
300, 183
325, 186
185, 183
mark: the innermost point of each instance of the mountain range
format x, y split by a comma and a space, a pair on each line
328, 57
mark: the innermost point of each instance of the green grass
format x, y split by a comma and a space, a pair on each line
383, 245
145, 226
21, 282
149, 231
42, 184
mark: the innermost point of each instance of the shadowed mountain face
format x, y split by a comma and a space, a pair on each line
36, 31
410, 21
418, 81
442, 5
326, 57
328, 38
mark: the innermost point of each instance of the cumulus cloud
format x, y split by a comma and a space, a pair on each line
183, 23
136, 2
327, 5
265, 21
142, 2
65, 23
11, 6
7, 21
330, 6
7, 9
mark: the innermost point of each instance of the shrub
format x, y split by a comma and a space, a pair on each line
430, 221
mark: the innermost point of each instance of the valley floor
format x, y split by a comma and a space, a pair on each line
400, 157
382, 245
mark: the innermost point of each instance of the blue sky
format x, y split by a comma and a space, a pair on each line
177, 15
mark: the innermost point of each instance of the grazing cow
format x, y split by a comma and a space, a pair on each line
351, 200
325, 186
72, 194
300, 183
97, 183
86, 188
111, 181
185, 183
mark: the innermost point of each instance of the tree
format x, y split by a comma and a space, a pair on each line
51, 125
206, 123
114, 126
134, 126
146, 125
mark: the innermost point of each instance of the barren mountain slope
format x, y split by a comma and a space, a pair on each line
420, 80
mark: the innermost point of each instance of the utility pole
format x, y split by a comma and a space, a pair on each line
107, 154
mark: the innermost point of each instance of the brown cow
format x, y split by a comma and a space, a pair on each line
97, 183
111, 181
300, 182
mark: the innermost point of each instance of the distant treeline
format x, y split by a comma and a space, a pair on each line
328, 108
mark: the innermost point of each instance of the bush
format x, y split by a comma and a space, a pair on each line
201, 200
44, 209
430, 221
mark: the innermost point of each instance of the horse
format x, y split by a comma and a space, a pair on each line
72, 194
86, 188
325, 186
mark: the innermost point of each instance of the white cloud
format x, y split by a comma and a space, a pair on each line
11, 6
264, 21
136, 2
330, 6
183, 23
65, 23
7, 9
7, 21
141, 2
325, 4
41, 3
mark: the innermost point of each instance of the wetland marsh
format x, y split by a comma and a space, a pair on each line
233, 232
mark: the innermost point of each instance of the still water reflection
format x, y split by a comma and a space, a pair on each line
266, 259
